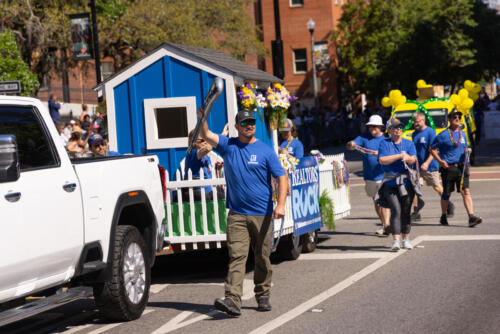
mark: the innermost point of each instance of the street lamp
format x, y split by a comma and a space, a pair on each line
311, 25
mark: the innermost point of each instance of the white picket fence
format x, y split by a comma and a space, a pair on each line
339, 196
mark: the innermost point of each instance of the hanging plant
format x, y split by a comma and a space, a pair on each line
327, 210
278, 100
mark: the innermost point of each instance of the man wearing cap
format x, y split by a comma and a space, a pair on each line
453, 149
422, 137
249, 165
98, 146
290, 144
372, 170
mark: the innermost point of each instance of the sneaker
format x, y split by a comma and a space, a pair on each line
227, 305
474, 220
443, 220
263, 305
407, 244
396, 245
415, 216
450, 212
380, 231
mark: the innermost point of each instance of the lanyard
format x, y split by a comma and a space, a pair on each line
289, 142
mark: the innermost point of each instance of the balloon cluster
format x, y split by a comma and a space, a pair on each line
422, 84
462, 101
395, 99
473, 89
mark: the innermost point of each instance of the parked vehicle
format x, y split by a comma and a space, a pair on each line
73, 228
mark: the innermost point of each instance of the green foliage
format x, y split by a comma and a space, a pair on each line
392, 44
327, 210
128, 29
12, 67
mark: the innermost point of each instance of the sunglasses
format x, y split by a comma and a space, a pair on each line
247, 122
455, 117
98, 144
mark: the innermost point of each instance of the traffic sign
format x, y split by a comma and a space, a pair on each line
10, 87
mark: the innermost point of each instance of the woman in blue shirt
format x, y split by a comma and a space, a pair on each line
396, 155
290, 144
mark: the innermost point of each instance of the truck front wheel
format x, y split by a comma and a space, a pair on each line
126, 294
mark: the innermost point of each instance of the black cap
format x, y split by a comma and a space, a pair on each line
243, 115
394, 123
454, 112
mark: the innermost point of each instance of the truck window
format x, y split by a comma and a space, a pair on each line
439, 116
32, 140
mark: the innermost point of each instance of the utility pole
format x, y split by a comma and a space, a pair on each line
95, 40
277, 45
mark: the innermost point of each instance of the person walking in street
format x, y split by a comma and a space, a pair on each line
290, 144
422, 138
249, 165
397, 155
451, 151
368, 144
54, 107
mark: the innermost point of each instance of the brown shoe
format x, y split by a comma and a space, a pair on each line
227, 305
264, 305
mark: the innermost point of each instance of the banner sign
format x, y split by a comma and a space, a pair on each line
305, 196
321, 56
81, 36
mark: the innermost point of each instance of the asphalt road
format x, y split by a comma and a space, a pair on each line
352, 283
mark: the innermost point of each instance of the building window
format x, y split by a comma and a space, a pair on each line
300, 61
336, 2
168, 121
296, 3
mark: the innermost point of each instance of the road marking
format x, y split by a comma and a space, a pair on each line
155, 288
295, 312
178, 321
110, 326
348, 256
479, 180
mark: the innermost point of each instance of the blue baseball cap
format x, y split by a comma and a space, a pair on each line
95, 138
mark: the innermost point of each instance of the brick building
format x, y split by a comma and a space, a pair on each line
296, 38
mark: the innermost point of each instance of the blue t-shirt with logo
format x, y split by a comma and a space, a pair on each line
447, 150
388, 147
195, 165
248, 169
372, 170
295, 148
422, 140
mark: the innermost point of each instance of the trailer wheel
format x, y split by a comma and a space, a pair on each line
124, 296
309, 241
290, 248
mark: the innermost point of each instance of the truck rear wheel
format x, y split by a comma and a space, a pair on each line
309, 241
290, 248
126, 294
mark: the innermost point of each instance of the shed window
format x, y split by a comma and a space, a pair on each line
168, 121
296, 3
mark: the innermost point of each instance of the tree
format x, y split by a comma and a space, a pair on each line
12, 67
392, 44
128, 29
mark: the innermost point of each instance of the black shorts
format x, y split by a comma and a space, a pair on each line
452, 178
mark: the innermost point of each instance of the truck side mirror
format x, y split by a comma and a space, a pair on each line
9, 159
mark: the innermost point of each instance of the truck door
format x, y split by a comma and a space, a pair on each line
44, 242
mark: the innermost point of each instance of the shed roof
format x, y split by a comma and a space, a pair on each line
219, 59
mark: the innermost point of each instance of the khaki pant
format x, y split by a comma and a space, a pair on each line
244, 231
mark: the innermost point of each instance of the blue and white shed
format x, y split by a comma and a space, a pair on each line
152, 103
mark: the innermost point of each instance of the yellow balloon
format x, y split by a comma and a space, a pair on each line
401, 100
386, 102
418, 93
468, 84
474, 96
455, 99
477, 88
467, 104
421, 83
394, 94
427, 86
463, 93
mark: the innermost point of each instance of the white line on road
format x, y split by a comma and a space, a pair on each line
155, 288
295, 312
347, 256
110, 326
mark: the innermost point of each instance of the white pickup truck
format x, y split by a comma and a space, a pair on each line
70, 228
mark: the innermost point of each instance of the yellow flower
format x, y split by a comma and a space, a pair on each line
277, 85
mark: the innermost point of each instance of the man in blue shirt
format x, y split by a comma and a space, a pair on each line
290, 144
452, 148
422, 138
54, 109
99, 147
372, 170
249, 166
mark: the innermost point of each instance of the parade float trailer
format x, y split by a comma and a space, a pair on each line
151, 106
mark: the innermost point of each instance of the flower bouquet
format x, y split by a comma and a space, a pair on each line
249, 98
320, 158
288, 162
278, 101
